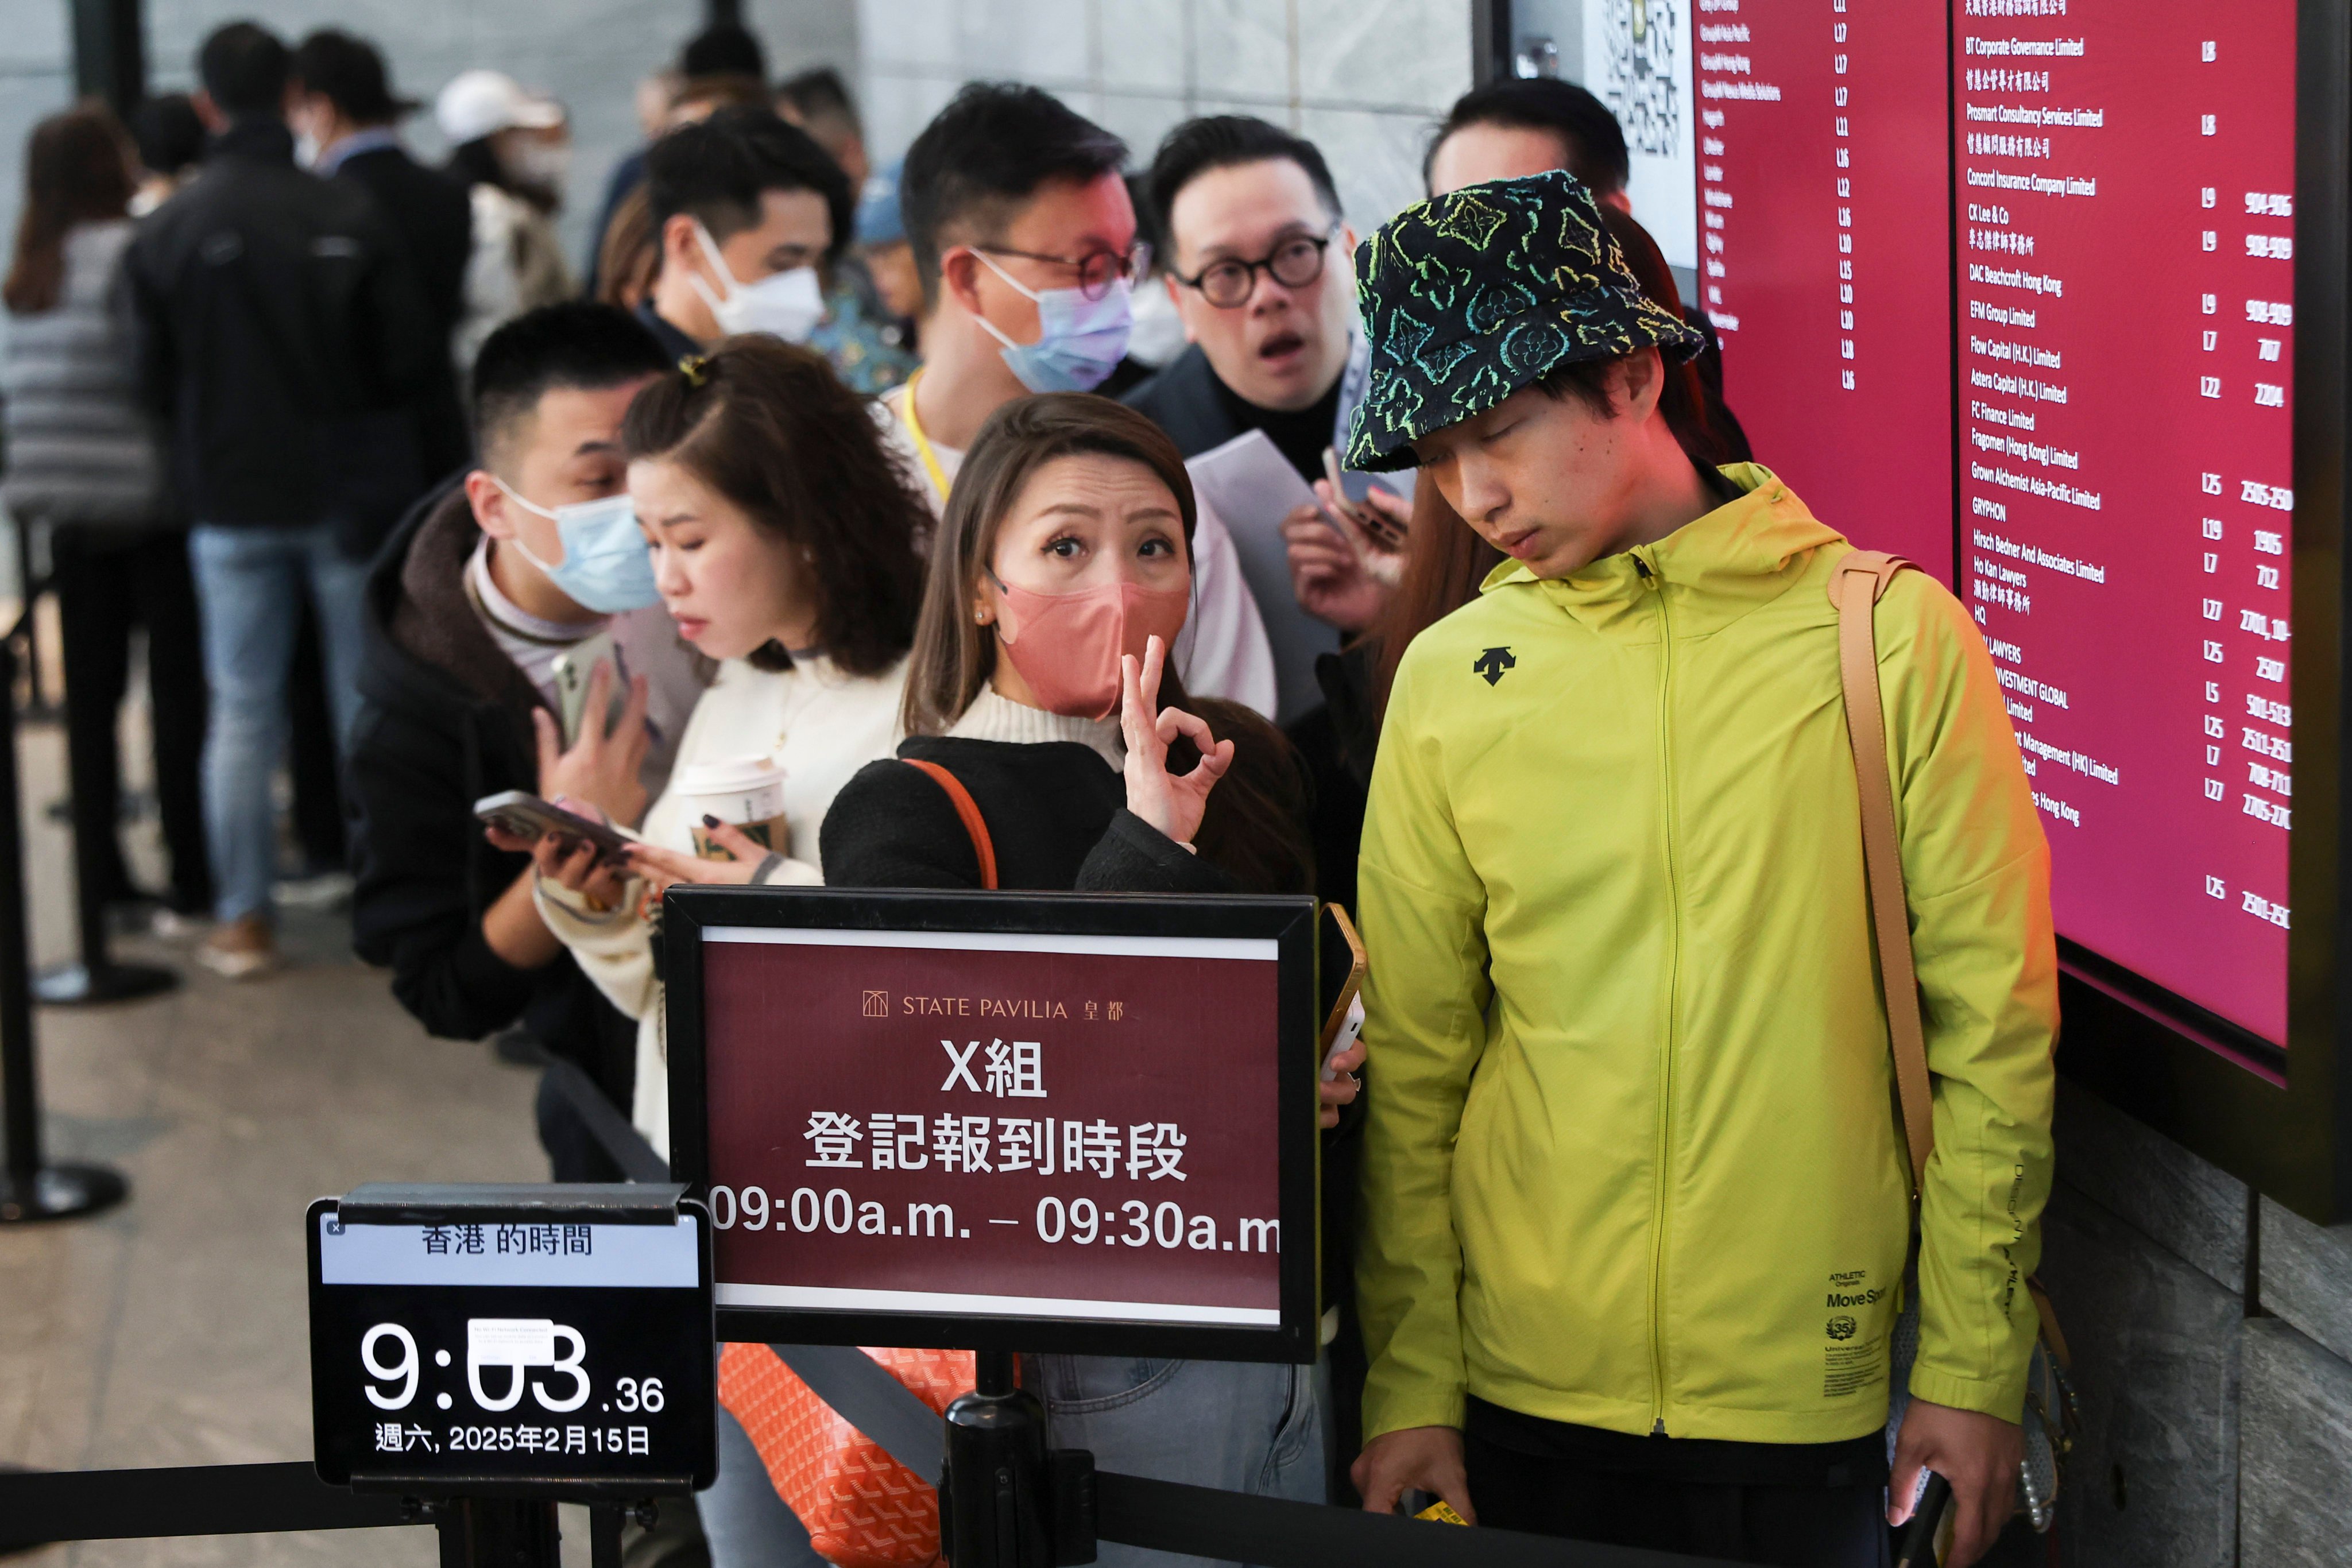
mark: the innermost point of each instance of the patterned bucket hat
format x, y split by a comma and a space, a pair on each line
1468, 296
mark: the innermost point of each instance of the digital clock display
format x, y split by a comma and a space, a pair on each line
575, 1356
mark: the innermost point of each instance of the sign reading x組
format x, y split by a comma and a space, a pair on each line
995, 1123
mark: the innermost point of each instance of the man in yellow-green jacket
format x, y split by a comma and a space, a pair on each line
1636, 1205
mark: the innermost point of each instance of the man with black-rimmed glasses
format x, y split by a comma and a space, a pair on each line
1256, 266
1024, 238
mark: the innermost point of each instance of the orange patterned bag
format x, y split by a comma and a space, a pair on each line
863, 1509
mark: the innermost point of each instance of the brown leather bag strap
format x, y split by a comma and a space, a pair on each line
967, 810
1854, 587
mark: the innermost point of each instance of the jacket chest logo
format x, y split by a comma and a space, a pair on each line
1493, 663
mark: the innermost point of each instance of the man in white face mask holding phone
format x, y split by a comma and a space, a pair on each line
1024, 238
747, 209
514, 641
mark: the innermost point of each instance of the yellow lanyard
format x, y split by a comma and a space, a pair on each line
923, 443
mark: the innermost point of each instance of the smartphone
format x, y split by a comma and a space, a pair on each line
1919, 1548
571, 669
1346, 1020
1383, 532
526, 816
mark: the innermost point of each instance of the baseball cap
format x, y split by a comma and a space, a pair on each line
481, 102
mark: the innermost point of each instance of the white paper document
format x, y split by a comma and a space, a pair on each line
1252, 487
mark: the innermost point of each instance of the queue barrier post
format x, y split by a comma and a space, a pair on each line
1006, 1501
31, 1188
500, 1532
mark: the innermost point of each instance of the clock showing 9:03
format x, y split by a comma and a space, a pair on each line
512, 1339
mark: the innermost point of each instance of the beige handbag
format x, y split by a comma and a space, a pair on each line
2052, 1420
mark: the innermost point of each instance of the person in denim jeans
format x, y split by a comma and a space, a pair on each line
250, 581
285, 337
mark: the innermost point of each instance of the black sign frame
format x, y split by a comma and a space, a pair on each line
1288, 921
694, 1394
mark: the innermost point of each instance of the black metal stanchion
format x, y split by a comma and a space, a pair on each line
95, 977
31, 1188
997, 1507
500, 1532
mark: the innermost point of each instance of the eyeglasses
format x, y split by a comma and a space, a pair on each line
1294, 263
1096, 270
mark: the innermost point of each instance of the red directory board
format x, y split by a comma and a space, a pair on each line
2123, 205
1825, 254
995, 1125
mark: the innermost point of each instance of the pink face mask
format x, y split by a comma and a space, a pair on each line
1069, 644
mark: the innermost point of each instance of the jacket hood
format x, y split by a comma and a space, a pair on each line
1713, 570
426, 646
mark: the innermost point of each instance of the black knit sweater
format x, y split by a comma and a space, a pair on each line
1057, 819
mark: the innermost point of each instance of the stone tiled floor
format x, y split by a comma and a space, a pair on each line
171, 1331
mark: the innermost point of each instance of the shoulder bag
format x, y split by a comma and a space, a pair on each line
2052, 1420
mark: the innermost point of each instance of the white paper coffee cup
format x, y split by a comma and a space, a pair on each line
747, 793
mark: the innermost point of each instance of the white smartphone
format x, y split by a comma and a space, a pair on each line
571, 669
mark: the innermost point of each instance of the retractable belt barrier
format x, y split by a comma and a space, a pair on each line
250, 1500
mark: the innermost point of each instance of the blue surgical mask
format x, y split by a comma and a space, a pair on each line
606, 566
1079, 340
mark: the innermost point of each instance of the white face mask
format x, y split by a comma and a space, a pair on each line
307, 149
786, 305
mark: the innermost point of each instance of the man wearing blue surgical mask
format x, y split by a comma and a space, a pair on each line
497, 593
749, 211
1024, 239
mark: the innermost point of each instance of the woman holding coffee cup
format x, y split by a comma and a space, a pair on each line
786, 544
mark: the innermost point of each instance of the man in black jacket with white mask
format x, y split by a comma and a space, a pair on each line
286, 340
486, 585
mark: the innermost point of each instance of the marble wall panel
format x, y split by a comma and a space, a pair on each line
903, 35
2307, 1276
2296, 1497
1242, 48
1383, 52
2153, 1482
1374, 157
1049, 42
1146, 47
2196, 1209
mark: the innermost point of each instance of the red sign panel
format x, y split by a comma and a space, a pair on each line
1826, 255
995, 1124
2123, 202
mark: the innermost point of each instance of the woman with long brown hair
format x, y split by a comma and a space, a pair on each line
785, 545
1039, 687
85, 460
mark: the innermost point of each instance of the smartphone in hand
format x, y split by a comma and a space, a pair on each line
1376, 525
571, 669
526, 816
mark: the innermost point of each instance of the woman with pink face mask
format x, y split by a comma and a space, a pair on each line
1037, 687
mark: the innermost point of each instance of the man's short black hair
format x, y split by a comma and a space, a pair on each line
1224, 141
724, 48
349, 72
169, 135
578, 343
1591, 142
984, 154
715, 170
243, 66
820, 95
